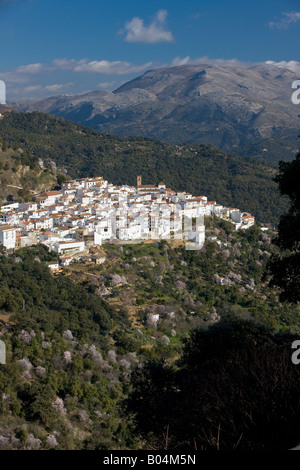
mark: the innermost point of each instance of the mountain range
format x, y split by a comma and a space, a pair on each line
245, 110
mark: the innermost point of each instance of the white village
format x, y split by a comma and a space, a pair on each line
87, 212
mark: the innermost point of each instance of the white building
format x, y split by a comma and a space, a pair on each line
97, 239
48, 198
131, 232
8, 236
10, 207
90, 208
54, 267
68, 246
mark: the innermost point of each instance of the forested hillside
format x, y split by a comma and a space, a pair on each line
89, 364
61, 383
201, 170
21, 176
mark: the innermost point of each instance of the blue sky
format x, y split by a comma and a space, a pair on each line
53, 47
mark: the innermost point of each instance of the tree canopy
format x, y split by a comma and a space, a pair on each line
234, 387
285, 265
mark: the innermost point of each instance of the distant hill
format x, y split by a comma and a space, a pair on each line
233, 108
199, 169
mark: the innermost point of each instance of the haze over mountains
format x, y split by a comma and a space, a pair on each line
227, 106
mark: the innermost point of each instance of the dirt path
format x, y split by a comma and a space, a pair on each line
19, 187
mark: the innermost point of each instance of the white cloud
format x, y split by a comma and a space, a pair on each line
180, 61
292, 65
155, 32
287, 19
58, 87
30, 68
40, 91
207, 60
22, 73
106, 67
25, 80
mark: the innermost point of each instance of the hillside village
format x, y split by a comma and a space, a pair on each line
86, 212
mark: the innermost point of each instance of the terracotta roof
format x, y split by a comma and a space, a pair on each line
6, 227
51, 193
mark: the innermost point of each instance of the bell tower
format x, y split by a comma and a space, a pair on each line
139, 181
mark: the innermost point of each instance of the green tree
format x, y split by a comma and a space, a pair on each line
235, 387
41, 398
285, 265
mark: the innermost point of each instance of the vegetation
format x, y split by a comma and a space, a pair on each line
159, 347
61, 383
75, 339
202, 170
81, 342
271, 150
234, 387
21, 176
164, 277
285, 265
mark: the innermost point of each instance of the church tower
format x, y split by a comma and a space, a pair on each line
139, 181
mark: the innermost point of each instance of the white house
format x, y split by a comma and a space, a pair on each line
8, 236
67, 246
219, 280
54, 267
48, 198
131, 232
197, 236
66, 260
97, 239
248, 220
10, 207
29, 206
